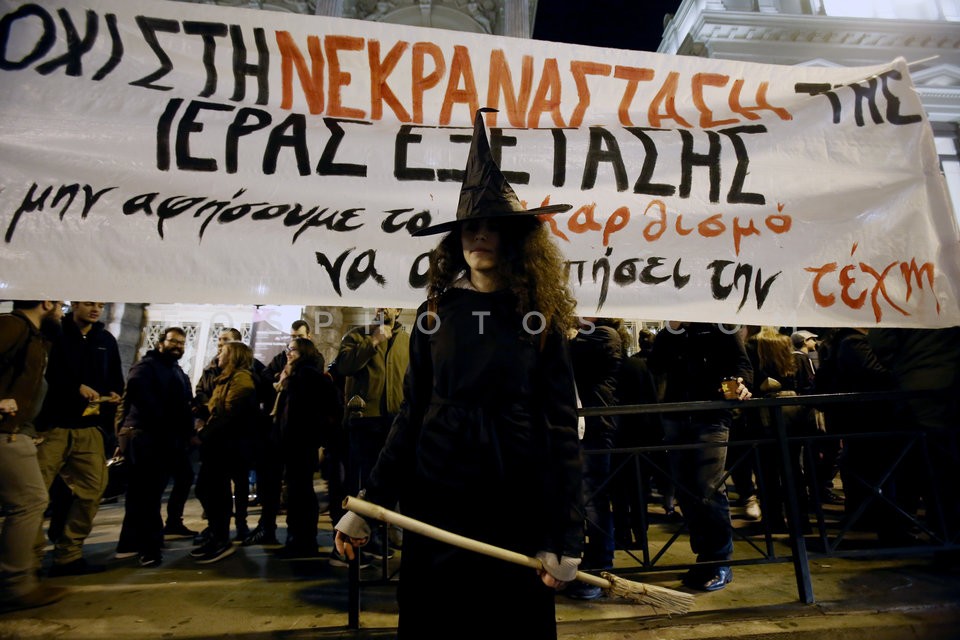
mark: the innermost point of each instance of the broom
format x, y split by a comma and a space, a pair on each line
661, 598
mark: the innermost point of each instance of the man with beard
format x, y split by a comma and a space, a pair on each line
156, 423
85, 381
23, 495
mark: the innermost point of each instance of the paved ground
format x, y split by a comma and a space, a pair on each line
253, 595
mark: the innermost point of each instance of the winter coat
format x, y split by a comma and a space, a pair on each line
374, 372
233, 412
308, 412
158, 397
92, 359
23, 359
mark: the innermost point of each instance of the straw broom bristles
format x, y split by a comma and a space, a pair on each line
660, 598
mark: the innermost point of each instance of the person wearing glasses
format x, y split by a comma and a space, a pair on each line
154, 421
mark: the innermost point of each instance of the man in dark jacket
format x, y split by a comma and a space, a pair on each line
156, 422
23, 359
694, 359
85, 382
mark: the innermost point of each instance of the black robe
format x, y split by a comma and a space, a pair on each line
486, 446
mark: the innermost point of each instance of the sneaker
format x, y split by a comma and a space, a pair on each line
150, 560
261, 536
41, 596
217, 553
123, 554
78, 567
205, 548
340, 560
203, 537
242, 533
178, 531
752, 508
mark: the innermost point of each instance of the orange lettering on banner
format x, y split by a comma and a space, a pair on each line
634, 76
380, 70
501, 79
589, 222
332, 46
460, 67
311, 81
762, 103
847, 280
822, 299
617, 221
657, 228
547, 98
580, 70
421, 82
666, 98
706, 114
911, 270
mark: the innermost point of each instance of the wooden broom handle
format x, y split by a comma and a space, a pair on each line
407, 523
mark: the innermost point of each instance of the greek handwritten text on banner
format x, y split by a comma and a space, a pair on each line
161, 151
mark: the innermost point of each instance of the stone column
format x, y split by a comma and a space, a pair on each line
332, 8
516, 18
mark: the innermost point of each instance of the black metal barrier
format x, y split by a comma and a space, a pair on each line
831, 539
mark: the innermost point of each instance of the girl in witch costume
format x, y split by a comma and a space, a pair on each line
485, 444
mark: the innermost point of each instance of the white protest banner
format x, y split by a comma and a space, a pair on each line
160, 151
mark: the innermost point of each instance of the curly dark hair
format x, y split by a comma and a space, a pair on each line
530, 265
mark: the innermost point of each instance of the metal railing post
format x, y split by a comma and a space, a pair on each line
801, 565
355, 408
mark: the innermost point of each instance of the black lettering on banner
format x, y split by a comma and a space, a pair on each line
76, 46
68, 192
418, 221
116, 50
207, 32
418, 272
188, 124
149, 28
742, 276
862, 93
326, 166
736, 193
239, 128
603, 265
456, 175
296, 139
689, 159
497, 142
559, 157
400, 169
163, 133
48, 36
242, 68
893, 102
643, 184
603, 148
361, 269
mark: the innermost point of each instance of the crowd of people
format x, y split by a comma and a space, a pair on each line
472, 425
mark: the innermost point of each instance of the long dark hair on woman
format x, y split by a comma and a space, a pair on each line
238, 357
309, 354
530, 265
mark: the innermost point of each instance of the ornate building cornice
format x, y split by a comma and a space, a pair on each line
700, 29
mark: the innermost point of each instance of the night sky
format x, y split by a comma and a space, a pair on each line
622, 24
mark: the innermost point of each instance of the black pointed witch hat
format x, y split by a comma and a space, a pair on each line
485, 193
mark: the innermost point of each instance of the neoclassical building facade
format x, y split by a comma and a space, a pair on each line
839, 33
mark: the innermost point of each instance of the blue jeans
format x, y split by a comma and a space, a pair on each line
700, 491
